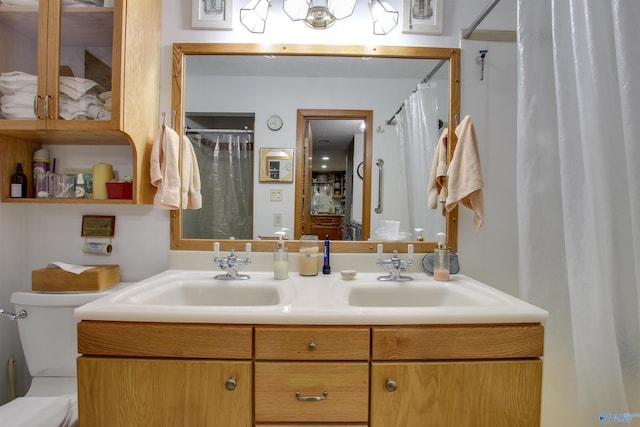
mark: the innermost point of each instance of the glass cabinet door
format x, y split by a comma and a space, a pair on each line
56, 60
85, 60
20, 22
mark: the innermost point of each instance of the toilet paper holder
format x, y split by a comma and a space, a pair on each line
101, 227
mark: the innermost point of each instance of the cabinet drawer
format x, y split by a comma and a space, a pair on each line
326, 220
285, 343
277, 384
457, 342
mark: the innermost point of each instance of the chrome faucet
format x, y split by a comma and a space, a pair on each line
231, 263
396, 265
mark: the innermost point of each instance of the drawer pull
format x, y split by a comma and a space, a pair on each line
312, 346
311, 398
231, 383
390, 385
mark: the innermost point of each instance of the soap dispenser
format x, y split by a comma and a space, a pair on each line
280, 258
441, 259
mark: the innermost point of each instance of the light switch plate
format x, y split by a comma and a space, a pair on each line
276, 195
277, 220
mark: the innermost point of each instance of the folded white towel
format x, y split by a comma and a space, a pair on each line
17, 81
75, 87
17, 111
165, 169
438, 177
464, 175
191, 197
55, 411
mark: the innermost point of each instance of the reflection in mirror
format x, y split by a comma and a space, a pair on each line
219, 80
223, 145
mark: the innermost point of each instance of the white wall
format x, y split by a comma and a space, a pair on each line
34, 234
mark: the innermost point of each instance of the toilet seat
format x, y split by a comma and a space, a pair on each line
53, 411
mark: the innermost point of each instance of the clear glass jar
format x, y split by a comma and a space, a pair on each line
309, 255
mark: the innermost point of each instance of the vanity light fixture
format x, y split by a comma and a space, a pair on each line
254, 15
384, 16
318, 14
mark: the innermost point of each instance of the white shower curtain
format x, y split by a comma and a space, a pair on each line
578, 183
417, 129
226, 173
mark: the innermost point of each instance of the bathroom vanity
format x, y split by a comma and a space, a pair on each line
466, 355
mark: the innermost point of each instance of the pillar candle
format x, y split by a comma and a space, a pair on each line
102, 173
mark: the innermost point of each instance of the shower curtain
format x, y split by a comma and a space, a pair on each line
578, 186
226, 173
417, 129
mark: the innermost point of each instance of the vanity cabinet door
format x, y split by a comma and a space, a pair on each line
454, 394
164, 392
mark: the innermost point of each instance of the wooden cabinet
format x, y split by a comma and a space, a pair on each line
431, 375
117, 48
338, 179
164, 374
327, 225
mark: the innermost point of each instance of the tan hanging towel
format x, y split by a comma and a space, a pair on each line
438, 177
191, 197
464, 175
165, 170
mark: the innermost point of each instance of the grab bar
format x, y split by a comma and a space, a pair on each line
379, 163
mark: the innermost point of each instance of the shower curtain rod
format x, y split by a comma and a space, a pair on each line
479, 19
219, 130
423, 81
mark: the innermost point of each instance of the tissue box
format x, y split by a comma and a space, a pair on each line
120, 190
58, 280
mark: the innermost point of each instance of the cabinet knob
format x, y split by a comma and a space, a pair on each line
231, 383
390, 385
312, 346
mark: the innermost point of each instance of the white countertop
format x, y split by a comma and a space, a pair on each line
318, 300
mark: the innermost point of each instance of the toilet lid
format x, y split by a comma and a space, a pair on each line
56, 411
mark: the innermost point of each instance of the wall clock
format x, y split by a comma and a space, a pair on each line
274, 122
360, 170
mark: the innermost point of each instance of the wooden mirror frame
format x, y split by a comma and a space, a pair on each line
181, 50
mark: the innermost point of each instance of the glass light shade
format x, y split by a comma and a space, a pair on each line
384, 16
341, 8
254, 15
296, 9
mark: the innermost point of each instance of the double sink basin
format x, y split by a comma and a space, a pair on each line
196, 296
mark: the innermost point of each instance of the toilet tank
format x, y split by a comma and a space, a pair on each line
49, 332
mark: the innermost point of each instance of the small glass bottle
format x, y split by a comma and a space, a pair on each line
19, 182
280, 259
441, 259
81, 190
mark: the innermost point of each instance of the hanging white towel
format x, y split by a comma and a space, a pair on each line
464, 174
438, 177
191, 197
165, 169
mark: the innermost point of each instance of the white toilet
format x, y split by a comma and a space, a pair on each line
48, 336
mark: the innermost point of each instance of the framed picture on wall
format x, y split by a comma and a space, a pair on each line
212, 14
422, 16
276, 165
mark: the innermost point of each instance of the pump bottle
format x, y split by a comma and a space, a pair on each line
441, 259
280, 258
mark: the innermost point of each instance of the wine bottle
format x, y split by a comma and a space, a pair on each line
19, 182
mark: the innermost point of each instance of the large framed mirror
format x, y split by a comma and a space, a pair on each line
305, 98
